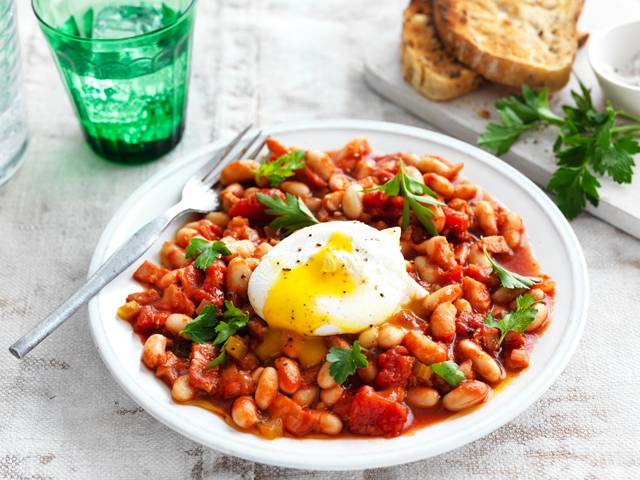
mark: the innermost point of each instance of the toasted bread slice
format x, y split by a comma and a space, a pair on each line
425, 63
512, 41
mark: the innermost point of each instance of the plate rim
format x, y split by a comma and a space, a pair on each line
576, 321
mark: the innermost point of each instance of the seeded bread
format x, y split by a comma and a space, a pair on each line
512, 41
425, 63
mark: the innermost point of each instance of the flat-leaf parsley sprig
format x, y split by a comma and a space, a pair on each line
211, 325
205, 251
589, 143
345, 361
280, 169
509, 279
518, 320
415, 195
292, 213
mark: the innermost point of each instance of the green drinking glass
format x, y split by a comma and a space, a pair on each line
125, 64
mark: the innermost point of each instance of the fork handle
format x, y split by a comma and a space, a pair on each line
122, 258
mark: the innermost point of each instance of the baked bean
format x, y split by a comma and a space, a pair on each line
244, 412
243, 248
352, 202
314, 203
330, 396
462, 305
184, 236
440, 252
369, 337
339, 181
512, 229
466, 368
306, 396
332, 201
298, 189
329, 424
439, 184
231, 195
486, 218
237, 276
176, 322
465, 395
537, 293
288, 375
181, 390
267, 388
465, 191
423, 348
427, 271
448, 293
477, 293
495, 244
368, 373
363, 168
539, 320
414, 173
173, 256
239, 171
443, 322
438, 218
423, 397
517, 359
505, 296
483, 363
221, 219
262, 249
154, 349
433, 164
390, 336
477, 257
255, 375
324, 378
320, 163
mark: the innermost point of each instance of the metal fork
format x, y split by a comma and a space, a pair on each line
199, 195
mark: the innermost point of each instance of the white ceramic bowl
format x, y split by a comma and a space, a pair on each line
553, 241
611, 51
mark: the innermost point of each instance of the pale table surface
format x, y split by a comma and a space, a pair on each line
63, 417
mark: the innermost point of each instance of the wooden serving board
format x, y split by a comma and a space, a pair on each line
619, 204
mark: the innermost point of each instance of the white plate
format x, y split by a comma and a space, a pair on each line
554, 244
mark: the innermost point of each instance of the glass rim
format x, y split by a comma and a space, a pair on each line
141, 36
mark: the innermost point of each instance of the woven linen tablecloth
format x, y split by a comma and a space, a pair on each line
63, 417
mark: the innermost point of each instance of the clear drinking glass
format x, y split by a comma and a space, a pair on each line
13, 125
125, 64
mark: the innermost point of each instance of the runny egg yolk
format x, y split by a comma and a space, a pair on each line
291, 301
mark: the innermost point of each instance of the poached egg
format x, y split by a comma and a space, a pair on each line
331, 278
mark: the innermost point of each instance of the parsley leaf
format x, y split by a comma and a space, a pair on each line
517, 320
449, 371
205, 252
509, 279
200, 329
345, 361
415, 194
589, 143
282, 168
210, 325
292, 212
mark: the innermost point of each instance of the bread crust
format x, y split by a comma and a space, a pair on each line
425, 64
513, 42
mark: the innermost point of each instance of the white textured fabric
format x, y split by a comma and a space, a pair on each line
63, 417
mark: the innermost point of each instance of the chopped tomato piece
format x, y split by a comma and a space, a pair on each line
205, 380
351, 153
190, 278
149, 273
149, 319
468, 322
235, 383
209, 230
455, 221
452, 276
477, 273
171, 368
514, 340
214, 277
175, 300
144, 298
296, 419
251, 208
395, 367
276, 148
372, 414
379, 204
